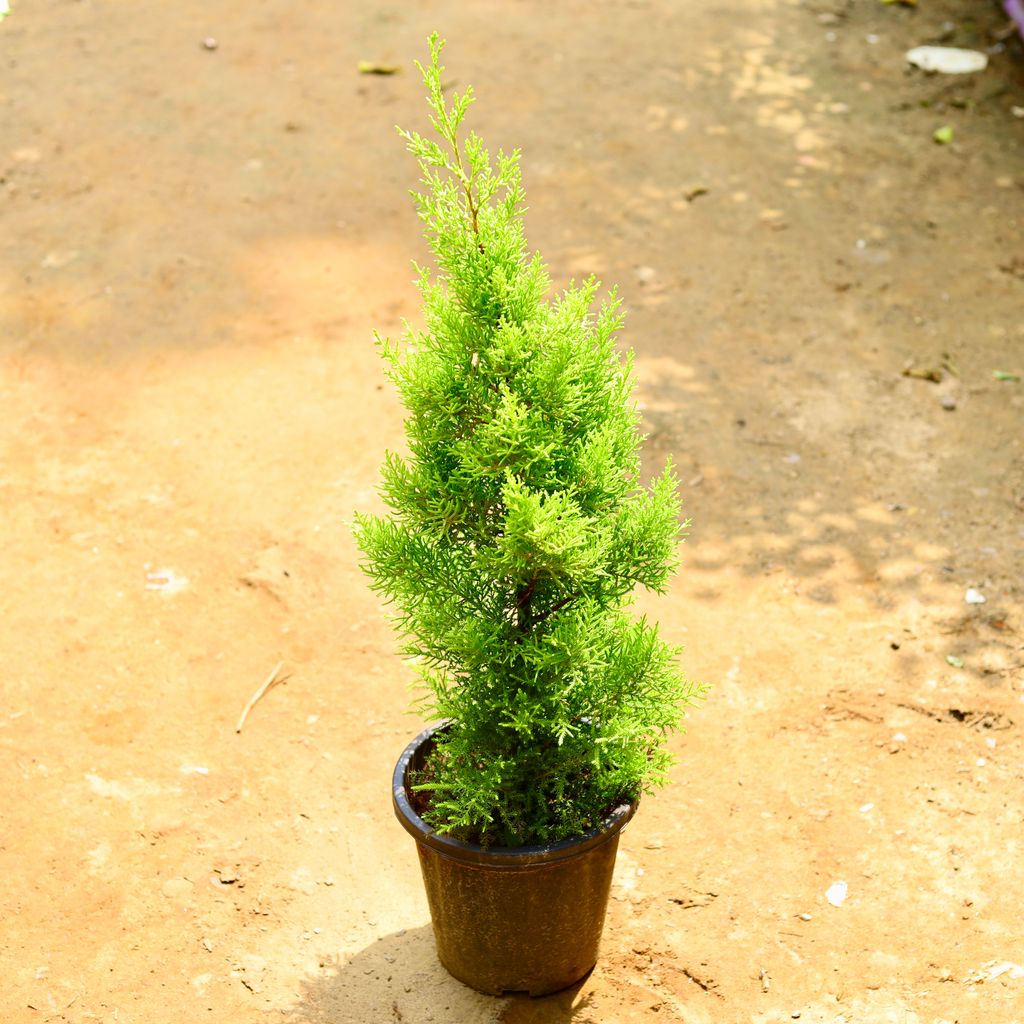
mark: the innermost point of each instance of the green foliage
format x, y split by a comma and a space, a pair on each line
518, 524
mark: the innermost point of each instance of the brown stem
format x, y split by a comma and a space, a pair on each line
523, 606
467, 185
554, 608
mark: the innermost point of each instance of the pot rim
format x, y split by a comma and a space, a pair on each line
498, 857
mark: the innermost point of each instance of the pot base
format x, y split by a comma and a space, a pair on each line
535, 930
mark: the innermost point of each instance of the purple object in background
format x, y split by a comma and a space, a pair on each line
1015, 9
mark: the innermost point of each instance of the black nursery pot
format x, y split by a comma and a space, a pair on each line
524, 919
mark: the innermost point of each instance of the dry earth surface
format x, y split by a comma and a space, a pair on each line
199, 240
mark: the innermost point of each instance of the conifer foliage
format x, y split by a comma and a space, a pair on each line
518, 524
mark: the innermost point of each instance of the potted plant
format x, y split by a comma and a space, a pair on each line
518, 529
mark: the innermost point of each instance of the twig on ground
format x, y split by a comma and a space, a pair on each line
271, 680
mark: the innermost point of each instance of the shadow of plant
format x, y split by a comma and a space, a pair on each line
399, 979
571, 1005
383, 982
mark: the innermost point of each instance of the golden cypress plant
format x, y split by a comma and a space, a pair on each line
518, 525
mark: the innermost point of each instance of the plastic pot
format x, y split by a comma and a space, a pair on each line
524, 919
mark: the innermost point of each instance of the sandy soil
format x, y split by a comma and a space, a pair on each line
198, 243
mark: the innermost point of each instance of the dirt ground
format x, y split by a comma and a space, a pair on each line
199, 240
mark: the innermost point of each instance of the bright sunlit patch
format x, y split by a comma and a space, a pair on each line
166, 581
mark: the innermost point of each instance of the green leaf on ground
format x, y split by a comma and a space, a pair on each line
369, 67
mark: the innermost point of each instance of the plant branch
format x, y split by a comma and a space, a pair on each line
523, 606
554, 608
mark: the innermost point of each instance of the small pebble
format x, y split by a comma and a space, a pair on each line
805, 917
177, 888
836, 893
209, 43
948, 403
